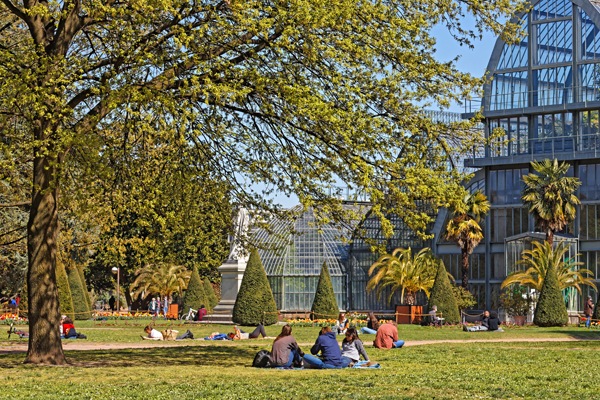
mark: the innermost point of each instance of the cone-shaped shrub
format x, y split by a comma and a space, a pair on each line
442, 296
194, 294
80, 304
64, 292
596, 314
324, 305
23, 302
255, 297
210, 294
88, 298
551, 309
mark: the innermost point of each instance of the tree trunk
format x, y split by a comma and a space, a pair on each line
45, 345
410, 299
465, 269
550, 237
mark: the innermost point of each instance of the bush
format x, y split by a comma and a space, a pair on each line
85, 288
464, 298
194, 294
80, 304
324, 305
442, 296
551, 309
23, 302
210, 294
64, 292
596, 314
255, 296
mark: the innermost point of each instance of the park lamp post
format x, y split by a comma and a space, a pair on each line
117, 270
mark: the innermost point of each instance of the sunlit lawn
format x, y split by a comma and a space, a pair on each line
474, 370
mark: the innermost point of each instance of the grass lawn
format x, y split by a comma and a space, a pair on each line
221, 371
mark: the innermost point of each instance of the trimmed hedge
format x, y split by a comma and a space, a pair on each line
255, 296
85, 288
80, 304
551, 309
210, 294
596, 313
442, 296
324, 305
64, 291
194, 294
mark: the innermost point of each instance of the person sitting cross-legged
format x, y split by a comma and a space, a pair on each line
68, 328
352, 347
484, 326
331, 355
341, 324
387, 337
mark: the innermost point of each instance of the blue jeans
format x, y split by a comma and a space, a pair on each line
294, 357
587, 323
368, 330
398, 344
319, 364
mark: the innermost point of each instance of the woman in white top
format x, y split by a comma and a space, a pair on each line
153, 334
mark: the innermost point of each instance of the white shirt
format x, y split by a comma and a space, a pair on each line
156, 334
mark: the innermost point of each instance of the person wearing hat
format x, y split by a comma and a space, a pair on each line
588, 307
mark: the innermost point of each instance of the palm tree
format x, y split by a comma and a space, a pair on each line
162, 279
550, 196
401, 270
464, 228
540, 259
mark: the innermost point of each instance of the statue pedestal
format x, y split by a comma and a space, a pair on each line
232, 272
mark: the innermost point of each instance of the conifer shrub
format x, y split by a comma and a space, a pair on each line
255, 304
85, 288
23, 299
596, 313
80, 304
324, 304
64, 291
194, 294
551, 309
442, 296
210, 294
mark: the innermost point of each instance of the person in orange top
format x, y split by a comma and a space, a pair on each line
387, 337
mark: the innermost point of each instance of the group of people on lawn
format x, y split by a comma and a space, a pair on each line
326, 352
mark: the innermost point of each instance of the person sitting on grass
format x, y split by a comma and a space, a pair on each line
331, 356
493, 322
372, 324
341, 324
68, 328
153, 334
285, 351
387, 337
484, 326
352, 348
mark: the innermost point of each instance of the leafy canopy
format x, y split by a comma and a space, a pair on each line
161, 279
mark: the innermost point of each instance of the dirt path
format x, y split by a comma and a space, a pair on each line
80, 346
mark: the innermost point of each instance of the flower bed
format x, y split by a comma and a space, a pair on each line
7, 319
110, 316
324, 322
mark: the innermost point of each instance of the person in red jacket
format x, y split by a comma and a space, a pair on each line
68, 328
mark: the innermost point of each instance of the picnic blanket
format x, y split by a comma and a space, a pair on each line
365, 365
220, 336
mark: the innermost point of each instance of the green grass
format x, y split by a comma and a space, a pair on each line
546, 370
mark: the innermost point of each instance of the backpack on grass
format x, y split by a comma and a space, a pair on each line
262, 359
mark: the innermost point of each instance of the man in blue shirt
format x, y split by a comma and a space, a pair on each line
331, 355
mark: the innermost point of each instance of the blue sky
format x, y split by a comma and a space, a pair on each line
473, 61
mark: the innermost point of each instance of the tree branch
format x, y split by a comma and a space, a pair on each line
22, 203
15, 10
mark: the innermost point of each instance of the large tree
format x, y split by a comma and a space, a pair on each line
293, 96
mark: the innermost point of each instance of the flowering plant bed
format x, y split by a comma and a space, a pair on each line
324, 322
109, 316
7, 319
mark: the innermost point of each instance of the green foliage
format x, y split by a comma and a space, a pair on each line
210, 294
442, 296
88, 298
516, 301
464, 227
80, 304
194, 294
542, 258
64, 291
255, 303
324, 304
24, 298
551, 309
403, 270
161, 279
464, 298
596, 313
550, 196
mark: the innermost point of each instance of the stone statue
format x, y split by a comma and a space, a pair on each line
240, 229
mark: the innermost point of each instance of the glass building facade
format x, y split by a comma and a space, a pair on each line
542, 102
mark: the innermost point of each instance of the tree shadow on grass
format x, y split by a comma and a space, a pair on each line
217, 356
583, 334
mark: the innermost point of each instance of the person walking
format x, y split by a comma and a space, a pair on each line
166, 306
152, 309
588, 308
111, 303
158, 306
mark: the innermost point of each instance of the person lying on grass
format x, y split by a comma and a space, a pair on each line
331, 356
352, 348
240, 334
153, 334
285, 351
387, 337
